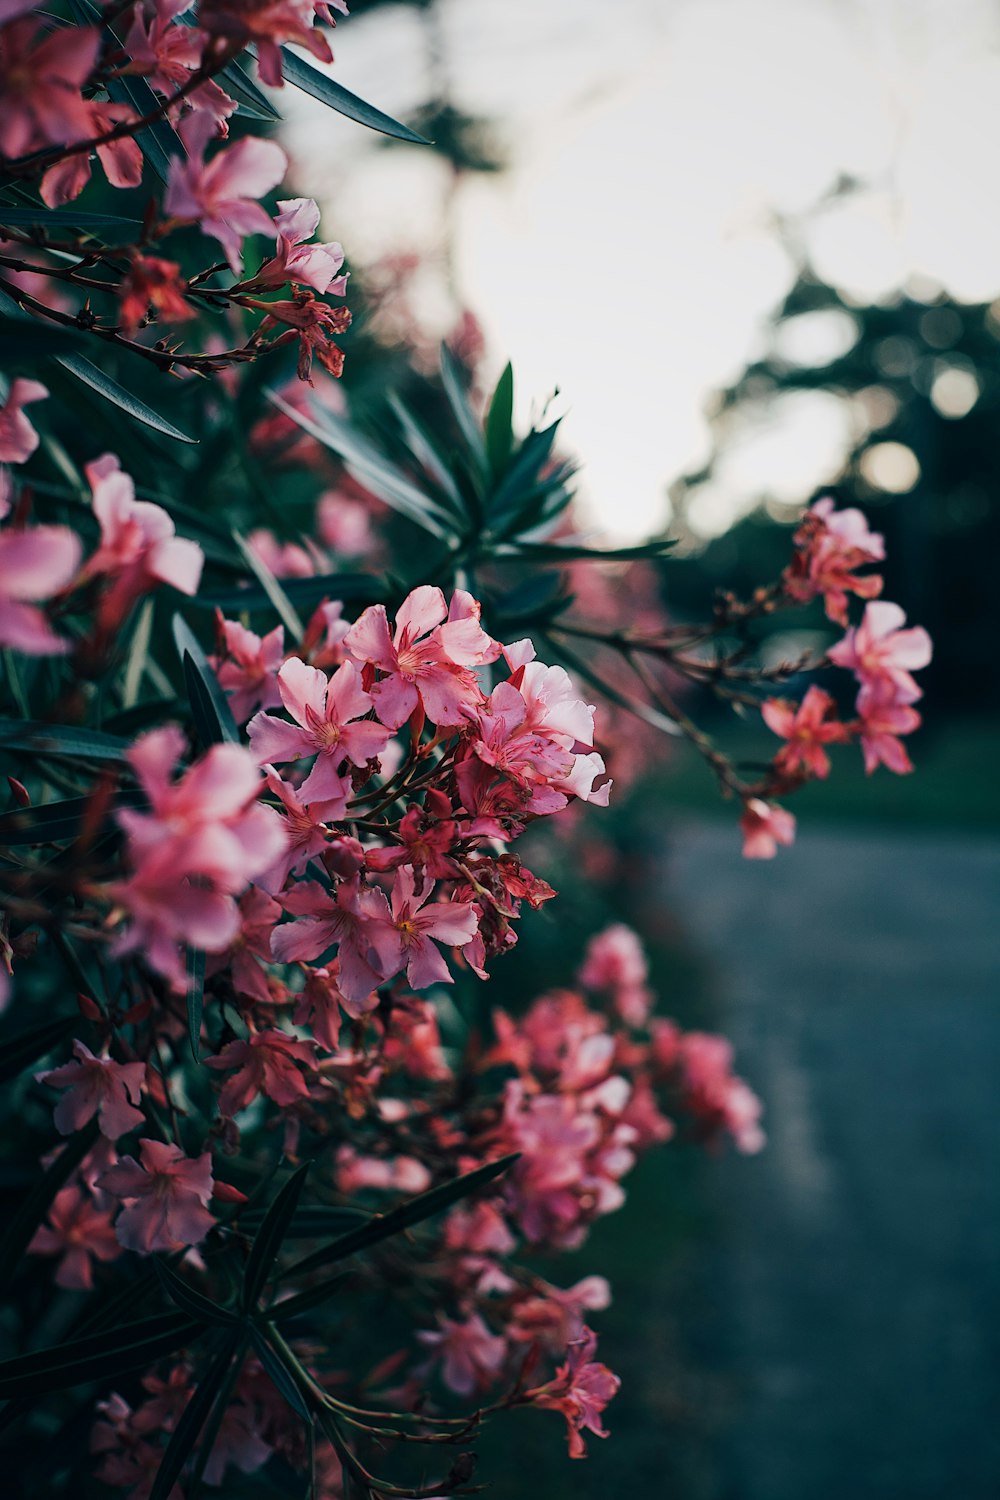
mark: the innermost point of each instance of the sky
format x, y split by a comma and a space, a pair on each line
629, 255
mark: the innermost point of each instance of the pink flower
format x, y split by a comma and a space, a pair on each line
306, 833
717, 1099
79, 1231
883, 720
121, 158
40, 82
428, 834
165, 1198
205, 838
615, 962
425, 660
268, 1062
18, 439
36, 563
765, 826
268, 24
399, 1174
249, 670
344, 524
329, 724
321, 1001
259, 915
830, 546
222, 195
139, 548
97, 1085
879, 651
472, 1358
581, 1390
356, 919
807, 728
415, 924
285, 559
315, 266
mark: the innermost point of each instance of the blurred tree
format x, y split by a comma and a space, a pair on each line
923, 378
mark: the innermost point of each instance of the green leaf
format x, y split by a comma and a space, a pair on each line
370, 467
271, 1235
522, 474
283, 1369
60, 740
24, 338
195, 999
313, 82
571, 551
251, 100
310, 1221
277, 597
53, 821
499, 420
209, 705
211, 1427
96, 380
458, 400
18, 1052
31, 217
424, 450
644, 711
191, 1301
423, 1207
192, 1419
304, 593
35, 1206
98, 1357
314, 1296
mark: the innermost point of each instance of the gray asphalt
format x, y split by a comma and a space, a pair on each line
855, 1274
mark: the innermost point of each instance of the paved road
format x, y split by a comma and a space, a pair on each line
856, 1265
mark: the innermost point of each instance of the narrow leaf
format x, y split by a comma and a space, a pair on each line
251, 100
310, 1221
192, 1419
499, 419
371, 468
60, 740
97, 1358
189, 1299
644, 711
313, 82
20, 1051
51, 822
571, 551
195, 999
271, 1235
30, 217
36, 1205
96, 380
26, 338
314, 1296
278, 1369
209, 705
422, 1207
279, 600
304, 593
458, 400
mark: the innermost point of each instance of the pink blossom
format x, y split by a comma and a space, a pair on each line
267, 1063
285, 559
139, 548
41, 75
472, 1358
428, 834
320, 1002
880, 652
18, 439
830, 545
344, 524
165, 1198
614, 961
807, 727
717, 1099
97, 1085
765, 825
305, 829
79, 1231
297, 261
415, 924
36, 563
259, 915
883, 720
223, 195
581, 1390
427, 659
329, 724
120, 158
355, 918
268, 24
249, 670
205, 838
399, 1174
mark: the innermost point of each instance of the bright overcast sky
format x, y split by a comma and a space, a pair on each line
627, 255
